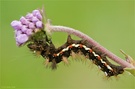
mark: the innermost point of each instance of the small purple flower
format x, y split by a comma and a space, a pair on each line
24, 21
29, 32
35, 19
31, 26
39, 16
26, 26
29, 16
16, 25
39, 24
22, 38
35, 12
24, 29
18, 32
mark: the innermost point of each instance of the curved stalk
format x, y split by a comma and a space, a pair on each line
50, 28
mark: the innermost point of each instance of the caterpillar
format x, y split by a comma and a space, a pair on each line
55, 55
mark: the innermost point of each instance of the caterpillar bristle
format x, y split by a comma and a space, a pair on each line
46, 62
77, 49
73, 55
65, 60
81, 57
53, 65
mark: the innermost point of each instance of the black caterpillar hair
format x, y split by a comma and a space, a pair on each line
55, 55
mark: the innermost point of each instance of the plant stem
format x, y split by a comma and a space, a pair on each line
50, 28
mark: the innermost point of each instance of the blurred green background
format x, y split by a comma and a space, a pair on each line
110, 22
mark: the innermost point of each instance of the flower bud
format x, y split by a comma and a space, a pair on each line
23, 20
22, 38
39, 16
35, 12
24, 28
35, 19
18, 32
29, 16
28, 25
29, 32
39, 24
16, 25
32, 26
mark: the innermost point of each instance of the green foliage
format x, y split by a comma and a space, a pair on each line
39, 35
130, 70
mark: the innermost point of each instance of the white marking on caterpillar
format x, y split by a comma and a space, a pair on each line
65, 49
109, 68
99, 67
86, 47
106, 73
73, 44
103, 61
77, 45
95, 54
58, 54
106, 65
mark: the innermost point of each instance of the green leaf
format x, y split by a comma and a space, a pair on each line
130, 70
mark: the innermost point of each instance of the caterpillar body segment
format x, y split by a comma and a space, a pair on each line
56, 55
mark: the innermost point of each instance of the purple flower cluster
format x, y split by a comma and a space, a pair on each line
27, 26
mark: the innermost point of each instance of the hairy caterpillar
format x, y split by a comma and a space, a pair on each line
55, 55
